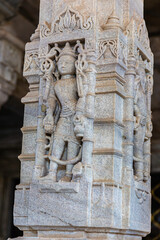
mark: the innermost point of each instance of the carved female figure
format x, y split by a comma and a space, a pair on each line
140, 113
64, 93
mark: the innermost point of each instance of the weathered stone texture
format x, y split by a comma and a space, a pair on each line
87, 126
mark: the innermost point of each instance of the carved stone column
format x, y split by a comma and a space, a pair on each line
85, 162
11, 59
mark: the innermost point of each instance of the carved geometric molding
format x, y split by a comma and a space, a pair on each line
111, 44
68, 20
116, 47
31, 61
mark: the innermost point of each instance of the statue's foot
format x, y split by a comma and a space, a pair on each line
51, 177
146, 177
66, 179
139, 177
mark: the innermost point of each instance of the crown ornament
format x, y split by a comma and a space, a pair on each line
67, 50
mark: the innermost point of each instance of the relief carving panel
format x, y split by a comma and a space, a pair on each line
64, 100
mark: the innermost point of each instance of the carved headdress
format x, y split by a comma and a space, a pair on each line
67, 50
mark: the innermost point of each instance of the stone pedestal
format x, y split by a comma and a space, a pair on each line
85, 162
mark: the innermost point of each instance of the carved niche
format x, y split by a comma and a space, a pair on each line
143, 123
65, 86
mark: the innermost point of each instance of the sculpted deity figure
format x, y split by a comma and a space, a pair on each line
64, 94
141, 123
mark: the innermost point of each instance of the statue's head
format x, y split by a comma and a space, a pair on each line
141, 72
66, 62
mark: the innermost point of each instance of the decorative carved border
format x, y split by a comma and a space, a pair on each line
68, 20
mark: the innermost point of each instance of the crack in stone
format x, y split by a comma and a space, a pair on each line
57, 218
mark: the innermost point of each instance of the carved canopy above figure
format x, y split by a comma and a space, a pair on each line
68, 20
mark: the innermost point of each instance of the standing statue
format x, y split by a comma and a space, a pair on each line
64, 114
142, 131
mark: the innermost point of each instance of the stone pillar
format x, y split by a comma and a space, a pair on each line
87, 124
11, 59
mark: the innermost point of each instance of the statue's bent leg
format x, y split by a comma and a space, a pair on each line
58, 148
147, 157
73, 150
138, 166
139, 154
